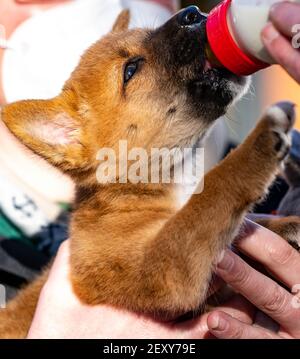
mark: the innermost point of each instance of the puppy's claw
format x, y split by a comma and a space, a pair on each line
281, 118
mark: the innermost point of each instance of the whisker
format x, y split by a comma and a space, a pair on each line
230, 121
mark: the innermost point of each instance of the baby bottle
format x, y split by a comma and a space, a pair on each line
233, 32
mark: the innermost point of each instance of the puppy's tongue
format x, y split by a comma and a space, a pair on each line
207, 65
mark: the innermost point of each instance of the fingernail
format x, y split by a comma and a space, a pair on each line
269, 33
218, 323
226, 261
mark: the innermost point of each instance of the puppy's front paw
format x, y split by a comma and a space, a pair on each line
281, 119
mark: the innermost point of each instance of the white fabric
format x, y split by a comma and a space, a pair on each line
44, 50
21, 209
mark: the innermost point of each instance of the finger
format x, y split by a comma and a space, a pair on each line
282, 51
284, 16
58, 284
193, 329
240, 308
260, 290
237, 307
266, 247
60, 267
223, 326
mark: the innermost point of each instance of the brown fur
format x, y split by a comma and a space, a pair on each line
122, 22
132, 245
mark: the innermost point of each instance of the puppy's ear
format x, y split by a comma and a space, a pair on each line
122, 22
49, 128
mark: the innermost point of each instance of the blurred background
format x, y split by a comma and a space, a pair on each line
268, 86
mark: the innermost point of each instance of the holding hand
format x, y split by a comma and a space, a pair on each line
60, 315
279, 302
281, 36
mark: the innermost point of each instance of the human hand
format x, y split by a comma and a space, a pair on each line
278, 34
61, 315
280, 259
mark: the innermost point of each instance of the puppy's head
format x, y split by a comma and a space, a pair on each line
152, 88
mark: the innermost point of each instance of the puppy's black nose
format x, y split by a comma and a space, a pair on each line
190, 16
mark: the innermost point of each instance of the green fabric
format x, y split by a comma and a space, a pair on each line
9, 231
65, 206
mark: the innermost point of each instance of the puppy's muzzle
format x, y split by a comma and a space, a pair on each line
180, 42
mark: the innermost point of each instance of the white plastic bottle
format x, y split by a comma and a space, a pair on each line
233, 31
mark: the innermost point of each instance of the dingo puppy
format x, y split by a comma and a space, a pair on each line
132, 244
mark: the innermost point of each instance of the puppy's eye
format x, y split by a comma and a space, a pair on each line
131, 68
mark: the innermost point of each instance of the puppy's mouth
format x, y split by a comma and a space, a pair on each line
203, 62
210, 86
180, 47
